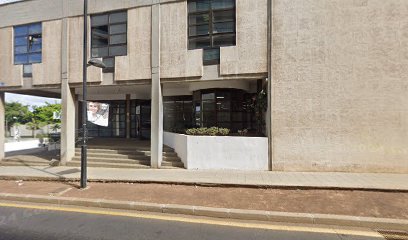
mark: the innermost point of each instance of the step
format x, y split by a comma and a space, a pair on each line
108, 165
171, 159
2, 163
173, 164
26, 160
115, 155
113, 160
124, 151
126, 148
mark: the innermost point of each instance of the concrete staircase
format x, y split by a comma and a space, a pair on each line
124, 157
24, 162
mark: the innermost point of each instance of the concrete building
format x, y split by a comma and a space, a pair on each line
335, 73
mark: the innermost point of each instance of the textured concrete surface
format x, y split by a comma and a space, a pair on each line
250, 178
340, 99
136, 65
49, 70
10, 75
250, 53
176, 60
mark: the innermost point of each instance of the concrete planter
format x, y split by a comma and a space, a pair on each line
220, 152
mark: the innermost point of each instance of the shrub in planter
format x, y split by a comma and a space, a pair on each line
223, 131
212, 131
243, 132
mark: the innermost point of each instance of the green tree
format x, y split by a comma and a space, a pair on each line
16, 113
45, 114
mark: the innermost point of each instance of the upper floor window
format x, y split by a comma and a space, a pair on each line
109, 37
27, 46
211, 25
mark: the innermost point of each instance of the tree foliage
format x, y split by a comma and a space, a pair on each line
45, 114
17, 113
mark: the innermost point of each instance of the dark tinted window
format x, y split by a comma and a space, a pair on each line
211, 25
28, 44
109, 37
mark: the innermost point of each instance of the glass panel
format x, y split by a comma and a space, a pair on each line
224, 105
237, 116
197, 43
224, 27
34, 58
34, 28
20, 59
209, 117
18, 41
225, 125
219, 4
198, 5
118, 17
20, 49
117, 51
118, 39
198, 30
109, 62
36, 48
208, 106
237, 106
224, 40
100, 52
99, 20
20, 30
208, 96
27, 70
100, 36
223, 95
222, 16
223, 117
196, 19
117, 28
36, 39
211, 54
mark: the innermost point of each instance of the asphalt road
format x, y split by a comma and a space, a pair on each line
33, 224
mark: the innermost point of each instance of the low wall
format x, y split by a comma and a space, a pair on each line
214, 152
22, 145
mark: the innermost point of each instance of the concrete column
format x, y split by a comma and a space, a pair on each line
156, 145
67, 123
2, 124
128, 116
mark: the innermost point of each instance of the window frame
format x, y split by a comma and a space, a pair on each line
211, 35
109, 36
28, 45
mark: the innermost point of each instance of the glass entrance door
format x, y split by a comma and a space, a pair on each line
140, 121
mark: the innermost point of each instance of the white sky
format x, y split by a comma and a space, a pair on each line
8, 1
30, 100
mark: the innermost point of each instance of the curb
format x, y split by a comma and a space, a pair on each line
203, 184
257, 215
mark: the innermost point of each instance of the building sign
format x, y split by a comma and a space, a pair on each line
98, 113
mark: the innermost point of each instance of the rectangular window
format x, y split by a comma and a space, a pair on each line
211, 25
109, 37
28, 46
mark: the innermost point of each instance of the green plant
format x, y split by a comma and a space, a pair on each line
202, 131
191, 131
223, 131
212, 131
243, 132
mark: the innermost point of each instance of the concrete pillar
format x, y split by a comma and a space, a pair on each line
128, 116
156, 145
67, 123
2, 124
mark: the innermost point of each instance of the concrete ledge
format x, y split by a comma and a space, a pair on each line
283, 217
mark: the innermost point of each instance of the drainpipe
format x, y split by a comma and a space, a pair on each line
269, 91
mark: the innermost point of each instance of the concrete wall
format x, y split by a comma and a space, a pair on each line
250, 53
340, 86
75, 52
136, 65
176, 60
10, 74
49, 70
216, 152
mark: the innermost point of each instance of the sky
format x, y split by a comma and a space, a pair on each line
7, 1
30, 100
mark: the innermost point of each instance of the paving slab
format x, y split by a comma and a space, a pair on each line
377, 181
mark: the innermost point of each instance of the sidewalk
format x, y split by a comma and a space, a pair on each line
397, 182
369, 209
